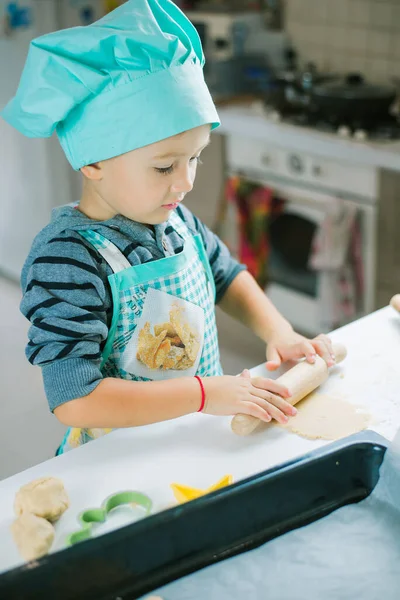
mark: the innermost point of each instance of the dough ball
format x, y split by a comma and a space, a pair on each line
32, 535
395, 302
45, 497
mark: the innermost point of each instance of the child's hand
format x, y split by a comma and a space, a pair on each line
292, 346
255, 396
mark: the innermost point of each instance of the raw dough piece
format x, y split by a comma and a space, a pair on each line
395, 302
33, 536
45, 497
325, 417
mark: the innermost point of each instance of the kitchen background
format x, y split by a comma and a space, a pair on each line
302, 181
347, 35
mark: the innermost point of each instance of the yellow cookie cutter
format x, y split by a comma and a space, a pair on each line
185, 493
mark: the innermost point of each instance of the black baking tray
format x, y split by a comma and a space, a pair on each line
143, 556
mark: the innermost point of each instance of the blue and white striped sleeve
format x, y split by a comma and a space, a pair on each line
65, 300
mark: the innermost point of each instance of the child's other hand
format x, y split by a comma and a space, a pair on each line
293, 346
255, 396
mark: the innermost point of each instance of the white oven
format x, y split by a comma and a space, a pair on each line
312, 188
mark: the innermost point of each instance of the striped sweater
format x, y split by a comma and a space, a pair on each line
67, 298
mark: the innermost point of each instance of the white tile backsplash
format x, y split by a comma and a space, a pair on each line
294, 11
359, 13
347, 35
393, 69
335, 37
381, 15
357, 42
338, 11
356, 63
378, 44
395, 26
395, 51
320, 11
378, 67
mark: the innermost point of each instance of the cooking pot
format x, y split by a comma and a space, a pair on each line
289, 92
352, 99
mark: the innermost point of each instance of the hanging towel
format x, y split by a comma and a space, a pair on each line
336, 254
245, 221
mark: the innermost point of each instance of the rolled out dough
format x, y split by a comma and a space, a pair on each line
325, 417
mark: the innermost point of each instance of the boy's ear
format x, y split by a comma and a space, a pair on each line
93, 172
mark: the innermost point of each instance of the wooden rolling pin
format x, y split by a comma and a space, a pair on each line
395, 302
302, 379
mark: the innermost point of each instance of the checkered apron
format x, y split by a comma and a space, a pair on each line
186, 276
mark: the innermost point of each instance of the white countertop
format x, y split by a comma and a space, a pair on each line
244, 121
198, 450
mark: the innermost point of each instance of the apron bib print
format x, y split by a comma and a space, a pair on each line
163, 324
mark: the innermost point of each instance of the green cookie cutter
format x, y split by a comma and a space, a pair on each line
90, 517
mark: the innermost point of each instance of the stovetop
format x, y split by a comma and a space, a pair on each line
387, 129
382, 130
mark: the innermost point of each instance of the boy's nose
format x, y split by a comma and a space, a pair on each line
183, 183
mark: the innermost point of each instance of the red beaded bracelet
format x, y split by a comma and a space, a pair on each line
203, 394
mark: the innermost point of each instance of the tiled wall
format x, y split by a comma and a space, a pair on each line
347, 35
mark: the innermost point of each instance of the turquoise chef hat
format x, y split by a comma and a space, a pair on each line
132, 78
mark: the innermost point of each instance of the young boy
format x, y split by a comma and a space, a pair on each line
121, 288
